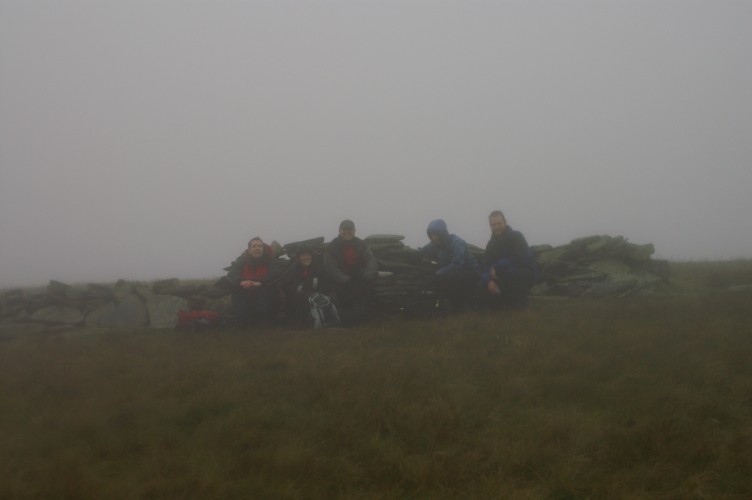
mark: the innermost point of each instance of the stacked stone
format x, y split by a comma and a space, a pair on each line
404, 277
594, 266
315, 244
122, 305
599, 266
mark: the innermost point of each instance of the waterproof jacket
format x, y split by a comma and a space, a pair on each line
451, 252
509, 252
299, 278
344, 260
264, 269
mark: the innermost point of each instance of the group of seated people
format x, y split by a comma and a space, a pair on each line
263, 291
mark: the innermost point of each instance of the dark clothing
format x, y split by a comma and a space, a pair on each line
451, 252
264, 269
299, 278
351, 270
353, 298
506, 252
298, 283
515, 267
456, 278
255, 304
458, 286
344, 260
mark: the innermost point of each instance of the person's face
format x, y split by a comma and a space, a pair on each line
305, 259
347, 233
256, 248
498, 224
436, 239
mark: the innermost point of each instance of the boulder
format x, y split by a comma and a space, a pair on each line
585, 241
122, 289
12, 302
163, 310
383, 238
609, 266
606, 246
639, 253
58, 314
144, 292
43, 299
552, 255
58, 288
129, 312
581, 277
98, 290
163, 286
175, 287
386, 247
220, 305
290, 249
93, 303
539, 249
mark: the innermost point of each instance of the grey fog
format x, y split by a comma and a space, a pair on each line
152, 139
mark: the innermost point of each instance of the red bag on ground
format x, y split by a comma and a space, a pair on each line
197, 318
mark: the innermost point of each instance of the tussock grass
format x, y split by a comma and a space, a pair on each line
710, 275
648, 397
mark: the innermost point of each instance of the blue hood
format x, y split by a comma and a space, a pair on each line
439, 227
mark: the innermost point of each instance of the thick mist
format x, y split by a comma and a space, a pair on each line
143, 140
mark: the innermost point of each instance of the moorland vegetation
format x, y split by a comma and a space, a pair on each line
643, 397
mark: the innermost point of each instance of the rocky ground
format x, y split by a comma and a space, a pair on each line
594, 266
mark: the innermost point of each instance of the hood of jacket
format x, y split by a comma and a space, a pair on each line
439, 228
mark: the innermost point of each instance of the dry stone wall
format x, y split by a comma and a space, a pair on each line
594, 266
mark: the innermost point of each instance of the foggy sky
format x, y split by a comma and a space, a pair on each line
151, 139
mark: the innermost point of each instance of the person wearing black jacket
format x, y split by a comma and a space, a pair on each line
508, 266
253, 283
351, 269
303, 278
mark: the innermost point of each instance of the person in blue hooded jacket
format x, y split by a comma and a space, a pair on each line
508, 266
456, 278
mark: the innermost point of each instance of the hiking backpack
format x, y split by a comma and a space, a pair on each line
323, 311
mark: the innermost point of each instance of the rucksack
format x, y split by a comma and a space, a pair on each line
323, 311
197, 320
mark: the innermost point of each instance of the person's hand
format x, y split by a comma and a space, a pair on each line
493, 288
249, 284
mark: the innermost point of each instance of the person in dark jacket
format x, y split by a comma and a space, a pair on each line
456, 277
303, 278
351, 269
253, 281
508, 266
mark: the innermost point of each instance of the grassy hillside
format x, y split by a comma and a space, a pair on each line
648, 397
710, 276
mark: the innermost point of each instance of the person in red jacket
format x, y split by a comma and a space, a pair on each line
253, 276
